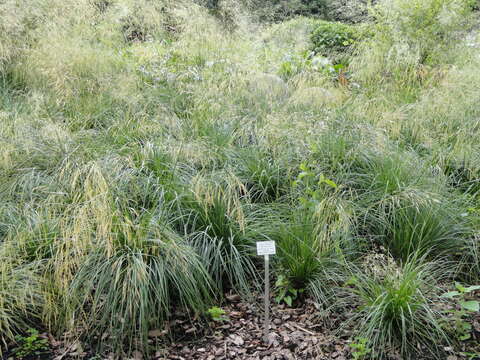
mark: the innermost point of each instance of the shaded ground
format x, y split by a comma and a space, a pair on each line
295, 333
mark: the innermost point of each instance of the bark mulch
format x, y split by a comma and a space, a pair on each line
295, 333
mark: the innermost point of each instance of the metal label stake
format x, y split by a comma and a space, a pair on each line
266, 248
267, 300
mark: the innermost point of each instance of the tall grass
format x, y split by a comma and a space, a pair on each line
133, 290
409, 214
145, 147
216, 225
410, 38
21, 299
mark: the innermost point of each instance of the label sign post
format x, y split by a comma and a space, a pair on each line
266, 248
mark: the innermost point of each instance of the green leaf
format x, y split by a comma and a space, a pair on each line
472, 305
331, 183
472, 288
450, 295
288, 300
352, 281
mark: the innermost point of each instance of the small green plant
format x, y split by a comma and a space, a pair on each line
360, 348
217, 314
333, 39
312, 184
461, 328
30, 345
286, 293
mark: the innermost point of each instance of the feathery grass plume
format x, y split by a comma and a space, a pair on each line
448, 114
17, 30
266, 178
397, 312
283, 39
215, 222
131, 286
21, 297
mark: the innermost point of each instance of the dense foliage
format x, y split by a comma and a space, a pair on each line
146, 146
333, 40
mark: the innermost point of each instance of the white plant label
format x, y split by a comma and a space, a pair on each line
266, 248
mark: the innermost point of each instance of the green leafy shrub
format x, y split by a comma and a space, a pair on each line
309, 63
217, 314
333, 40
294, 64
360, 349
285, 292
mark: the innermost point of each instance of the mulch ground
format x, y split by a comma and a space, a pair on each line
295, 333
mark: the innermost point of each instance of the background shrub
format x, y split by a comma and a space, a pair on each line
333, 39
409, 35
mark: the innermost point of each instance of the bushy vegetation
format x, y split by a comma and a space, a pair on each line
331, 38
146, 146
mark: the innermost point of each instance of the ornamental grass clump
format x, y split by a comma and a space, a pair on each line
397, 312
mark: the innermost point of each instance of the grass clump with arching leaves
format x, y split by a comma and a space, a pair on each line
216, 226
398, 312
409, 215
133, 290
